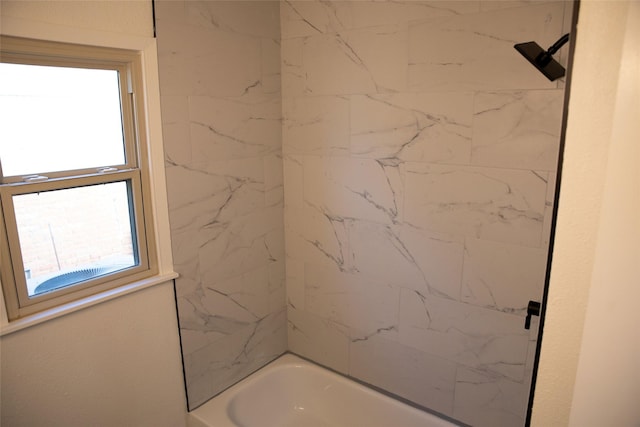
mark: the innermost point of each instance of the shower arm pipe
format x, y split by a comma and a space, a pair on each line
545, 57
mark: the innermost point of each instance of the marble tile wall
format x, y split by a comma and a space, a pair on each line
419, 154
219, 67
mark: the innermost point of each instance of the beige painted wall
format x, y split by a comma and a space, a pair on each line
121, 17
116, 363
589, 363
609, 366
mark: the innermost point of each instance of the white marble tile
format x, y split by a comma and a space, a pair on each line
222, 129
170, 22
277, 286
295, 283
404, 371
366, 307
372, 60
487, 5
316, 236
185, 259
273, 180
488, 401
220, 82
249, 18
179, 191
321, 340
244, 298
238, 54
203, 60
175, 129
291, 67
380, 128
382, 51
293, 183
214, 192
487, 340
210, 312
227, 249
501, 276
264, 338
517, 129
294, 206
375, 243
493, 204
353, 188
206, 318
194, 330
222, 363
380, 255
433, 127
274, 238
199, 387
271, 78
316, 125
310, 18
439, 256
327, 294
331, 65
376, 13
476, 51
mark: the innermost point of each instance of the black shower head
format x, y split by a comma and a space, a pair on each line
543, 59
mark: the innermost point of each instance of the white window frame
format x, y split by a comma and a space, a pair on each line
147, 176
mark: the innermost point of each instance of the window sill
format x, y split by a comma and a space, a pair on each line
81, 304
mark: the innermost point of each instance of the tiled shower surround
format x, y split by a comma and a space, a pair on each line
219, 65
419, 151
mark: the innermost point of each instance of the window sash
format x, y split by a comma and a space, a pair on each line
12, 249
124, 70
135, 170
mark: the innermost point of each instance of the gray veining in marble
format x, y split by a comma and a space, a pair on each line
220, 91
368, 184
419, 157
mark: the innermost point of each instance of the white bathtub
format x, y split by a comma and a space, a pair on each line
291, 392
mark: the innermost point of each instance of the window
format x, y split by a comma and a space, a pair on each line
75, 212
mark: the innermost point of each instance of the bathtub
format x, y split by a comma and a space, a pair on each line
291, 392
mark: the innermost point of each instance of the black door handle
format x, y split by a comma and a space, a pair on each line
533, 309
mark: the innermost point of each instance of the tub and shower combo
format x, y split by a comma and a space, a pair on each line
291, 392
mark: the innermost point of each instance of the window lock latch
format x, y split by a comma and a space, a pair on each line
34, 178
107, 170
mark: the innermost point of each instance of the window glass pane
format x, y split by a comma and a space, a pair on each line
58, 118
71, 235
